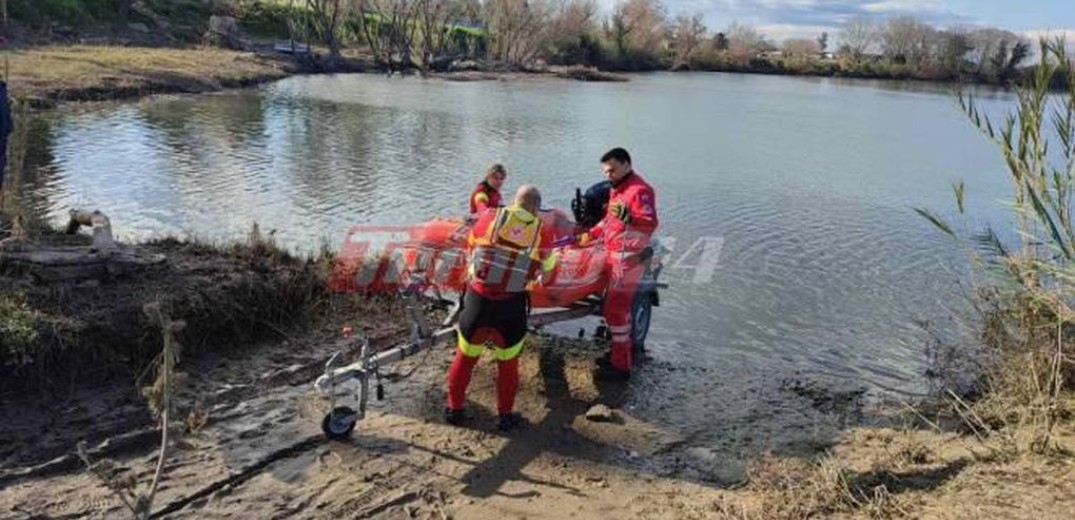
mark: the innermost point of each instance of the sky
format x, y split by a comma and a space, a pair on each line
779, 19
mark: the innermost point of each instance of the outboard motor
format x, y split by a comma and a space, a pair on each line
590, 207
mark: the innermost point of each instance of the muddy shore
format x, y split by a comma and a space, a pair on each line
249, 441
260, 327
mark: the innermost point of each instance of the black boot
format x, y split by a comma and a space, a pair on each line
509, 421
604, 361
454, 417
606, 372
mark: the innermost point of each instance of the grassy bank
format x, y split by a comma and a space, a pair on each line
56, 326
49, 75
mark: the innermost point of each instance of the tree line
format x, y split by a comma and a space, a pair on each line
642, 35
634, 35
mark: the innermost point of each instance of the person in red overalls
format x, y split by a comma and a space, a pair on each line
487, 193
626, 229
509, 248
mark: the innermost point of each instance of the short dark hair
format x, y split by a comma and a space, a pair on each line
619, 154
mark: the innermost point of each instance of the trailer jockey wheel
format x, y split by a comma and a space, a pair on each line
641, 312
339, 423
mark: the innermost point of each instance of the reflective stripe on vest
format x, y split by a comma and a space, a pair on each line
508, 253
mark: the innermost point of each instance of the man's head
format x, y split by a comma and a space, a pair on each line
528, 197
616, 164
495, 176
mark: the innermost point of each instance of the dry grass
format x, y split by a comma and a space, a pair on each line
888, 473
1026, 298
793, 489
231, 295
73, 73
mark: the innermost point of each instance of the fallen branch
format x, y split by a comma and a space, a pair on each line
160, 401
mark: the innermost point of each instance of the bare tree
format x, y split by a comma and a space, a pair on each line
572, 23
636, 28
685, 37
859, 36
572, 17
800, 47
390, 28
326, 16
516, 29
433, 17
953, 49
997, 53
986, 42
744, 42
905, 39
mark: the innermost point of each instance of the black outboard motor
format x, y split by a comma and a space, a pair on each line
590, 208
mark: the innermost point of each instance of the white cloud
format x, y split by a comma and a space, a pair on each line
904, 6
1037, 34
779, 32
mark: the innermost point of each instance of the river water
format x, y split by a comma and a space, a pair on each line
804, 188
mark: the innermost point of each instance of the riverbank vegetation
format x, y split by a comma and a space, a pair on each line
1023, 369
634, 35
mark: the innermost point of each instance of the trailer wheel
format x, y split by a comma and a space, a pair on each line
339, 423
641, 313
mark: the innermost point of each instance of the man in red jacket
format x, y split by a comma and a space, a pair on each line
487, 193
509, 248
626, 229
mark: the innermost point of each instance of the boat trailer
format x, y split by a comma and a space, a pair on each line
340, 421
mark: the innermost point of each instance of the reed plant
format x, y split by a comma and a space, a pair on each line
1025, 286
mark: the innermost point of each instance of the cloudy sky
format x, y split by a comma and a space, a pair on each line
783, 18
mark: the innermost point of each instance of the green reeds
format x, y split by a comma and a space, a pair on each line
1027, 299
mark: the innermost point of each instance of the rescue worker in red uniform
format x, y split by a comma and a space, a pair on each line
509, 248
487, 193
629, 223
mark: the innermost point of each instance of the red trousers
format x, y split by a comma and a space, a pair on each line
507, 382
624, 276
500, 324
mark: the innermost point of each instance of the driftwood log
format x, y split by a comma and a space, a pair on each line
102, 259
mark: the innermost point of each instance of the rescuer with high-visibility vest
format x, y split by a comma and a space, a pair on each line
509, 249
487, 193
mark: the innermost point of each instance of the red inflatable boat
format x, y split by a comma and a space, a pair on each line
384, 259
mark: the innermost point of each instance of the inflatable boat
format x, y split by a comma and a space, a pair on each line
432, 257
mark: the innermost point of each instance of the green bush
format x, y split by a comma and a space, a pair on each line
43, 13
268, 20
79, 13
188, 13
18, 331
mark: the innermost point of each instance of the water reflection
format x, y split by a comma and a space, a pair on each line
809, 182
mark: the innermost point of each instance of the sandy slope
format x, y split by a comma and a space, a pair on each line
261, 455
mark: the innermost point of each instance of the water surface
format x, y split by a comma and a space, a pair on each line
809, 185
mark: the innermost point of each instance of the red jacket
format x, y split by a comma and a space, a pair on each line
638, 196
484, 196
